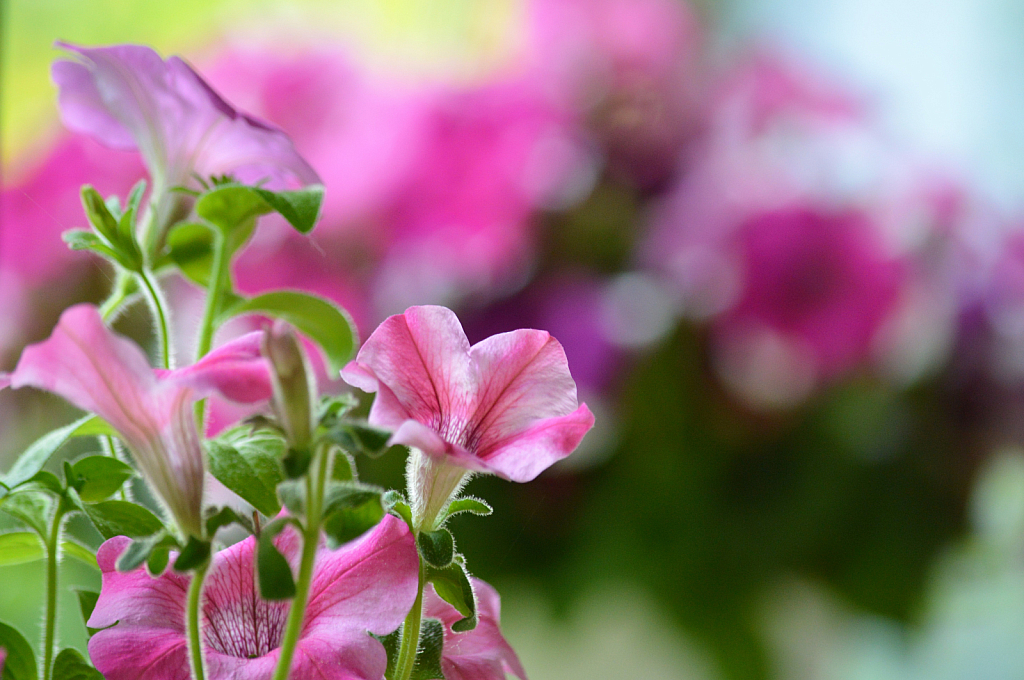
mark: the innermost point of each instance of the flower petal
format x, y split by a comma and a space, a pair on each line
236, 370
524, 377
134, 598
422, 356
352, 655
479, 654
83, 109
138, 653
96, 370
524, 456
366, 585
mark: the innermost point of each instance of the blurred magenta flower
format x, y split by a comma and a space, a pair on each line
506, 405
631, 68
127, 97
99, 371
479, 654
437, 184
366, 586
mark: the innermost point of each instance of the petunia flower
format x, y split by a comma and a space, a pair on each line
365, 586
479, 654
102, 372
505, 406
127, 97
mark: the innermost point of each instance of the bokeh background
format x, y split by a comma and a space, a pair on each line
780, 241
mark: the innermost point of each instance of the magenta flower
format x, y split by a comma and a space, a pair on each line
479, 654
505, 406
99, 371
365, 586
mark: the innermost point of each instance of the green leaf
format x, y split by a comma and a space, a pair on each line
343, 468
126, 225
31, 506
292, 493
322, 321
71, 665
395, 503
121, 518
359, 437
86, 603
45, 480
272, 570
96, 478
229, 206
19, 547
20, 663
350, 509
428, 655
301, 208
252, 473
452, 585
36, 455
223, 517
469, 504
79, 552
157, 561
190, 246
436, 547
195, 553
98, 213
139, 550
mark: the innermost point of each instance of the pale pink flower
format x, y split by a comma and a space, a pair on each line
366, 586
506, 405
102, 372
127, 97
479, 654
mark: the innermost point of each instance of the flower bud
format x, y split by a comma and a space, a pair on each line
293, 382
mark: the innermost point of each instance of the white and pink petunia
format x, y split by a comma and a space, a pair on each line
106, 374
366, 586
479, 654
505, 406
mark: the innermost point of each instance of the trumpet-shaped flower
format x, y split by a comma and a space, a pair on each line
479, 654
506, 405
99, 371
366, 586
128, 98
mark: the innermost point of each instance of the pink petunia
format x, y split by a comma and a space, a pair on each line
364, 587
102, 372
127, 97
479, 654
505, 406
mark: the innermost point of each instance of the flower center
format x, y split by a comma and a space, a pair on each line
246, 627
455, 430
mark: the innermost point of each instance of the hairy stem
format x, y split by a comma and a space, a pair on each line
52, 560
112, 305
195, 639
410, 635
156, 304
310, 541
218, 274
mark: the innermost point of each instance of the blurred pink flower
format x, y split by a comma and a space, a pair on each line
505, 406
437, 184
479, 654
631, 68
365, 586
99, 371
823, 278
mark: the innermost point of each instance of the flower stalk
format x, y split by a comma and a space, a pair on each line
195, 638
52, 562
411, 634
315, 481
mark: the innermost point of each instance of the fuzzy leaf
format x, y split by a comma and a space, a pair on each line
121, 518
96, 478
20, 663
272, 570
36, 455
252, 474
452, 585
71, 665
18, 547
436, 547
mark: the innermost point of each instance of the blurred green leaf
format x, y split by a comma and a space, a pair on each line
71, 665
121, 518
20, 663
96, 478
17, 547
272, 570
36, 455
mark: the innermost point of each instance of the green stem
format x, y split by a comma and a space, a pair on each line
218, 274
52, 559
195, 640
160, 316
118, 295
310, 541
410, 635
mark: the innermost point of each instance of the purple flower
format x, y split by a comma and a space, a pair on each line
482, 653
99, 371
505, 406
127, 97
366, 586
